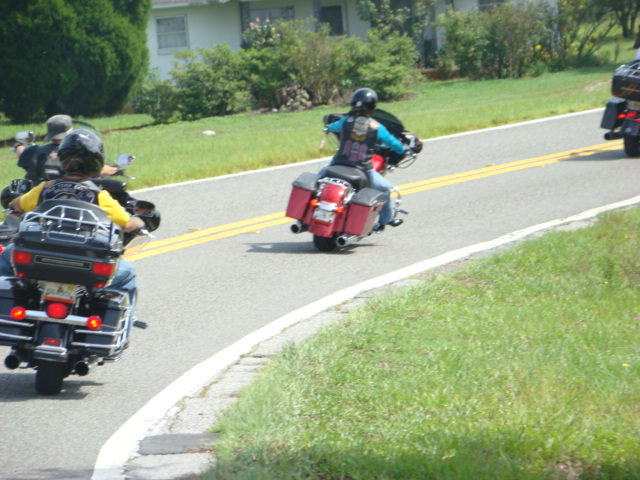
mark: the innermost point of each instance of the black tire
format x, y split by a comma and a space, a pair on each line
325, 244
632, 146
49, 376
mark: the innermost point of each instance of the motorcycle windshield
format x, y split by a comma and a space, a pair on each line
390, 121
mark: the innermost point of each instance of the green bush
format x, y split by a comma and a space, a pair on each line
213, 86
389, 65
157, 98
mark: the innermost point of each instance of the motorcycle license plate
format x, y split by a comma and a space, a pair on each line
62, 292
324, 216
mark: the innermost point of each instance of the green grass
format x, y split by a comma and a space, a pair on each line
523, 365
181, 152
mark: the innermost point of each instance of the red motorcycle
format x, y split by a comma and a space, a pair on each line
340, 208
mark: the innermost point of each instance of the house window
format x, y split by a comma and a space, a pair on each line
332, 16
248, 14
172, 34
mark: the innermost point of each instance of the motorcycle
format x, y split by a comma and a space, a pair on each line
622, 112
57, 313
340, 208
19, 186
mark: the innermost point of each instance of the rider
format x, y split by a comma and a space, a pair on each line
81, 156
359, 134
41, 162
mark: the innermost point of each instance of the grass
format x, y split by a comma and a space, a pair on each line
181, 152
523, 365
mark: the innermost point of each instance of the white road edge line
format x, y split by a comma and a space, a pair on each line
123, 444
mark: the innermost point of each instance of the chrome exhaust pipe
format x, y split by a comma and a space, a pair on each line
13, 361
344, 240
299, 227
613, 135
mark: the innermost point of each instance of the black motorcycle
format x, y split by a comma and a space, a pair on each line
622, 113
19, 186
57, 313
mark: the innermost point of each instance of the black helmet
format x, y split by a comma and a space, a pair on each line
81, 151
364, 100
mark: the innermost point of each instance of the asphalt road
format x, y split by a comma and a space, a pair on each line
224, 264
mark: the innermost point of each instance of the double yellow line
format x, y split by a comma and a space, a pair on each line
254, 224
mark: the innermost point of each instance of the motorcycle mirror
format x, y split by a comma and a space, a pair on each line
143, 207
125, 159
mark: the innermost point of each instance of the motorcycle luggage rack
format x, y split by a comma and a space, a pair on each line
68, 223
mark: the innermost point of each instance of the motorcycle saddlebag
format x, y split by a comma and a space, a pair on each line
626, 82
13, 293
303, 188
612, 112
67, 241
113, 309
363, 211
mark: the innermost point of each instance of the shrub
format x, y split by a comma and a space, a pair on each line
214, 86
157, 98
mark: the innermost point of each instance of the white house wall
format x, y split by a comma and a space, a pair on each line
206, 25
215, 23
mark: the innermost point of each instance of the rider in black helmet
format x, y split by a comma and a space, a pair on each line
359, 134
81, 155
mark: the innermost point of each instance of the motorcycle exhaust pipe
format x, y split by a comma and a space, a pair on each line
13, 361
83, 367
299, 227
613, 135
344, 240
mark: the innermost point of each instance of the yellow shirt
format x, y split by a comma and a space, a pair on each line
116, 212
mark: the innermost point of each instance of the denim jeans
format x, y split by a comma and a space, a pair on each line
125, 280
378, 182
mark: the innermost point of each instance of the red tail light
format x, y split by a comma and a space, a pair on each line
94, 322
313, 202
22, 258
52, 342
18, 313
105, 269
57, 310
631, 114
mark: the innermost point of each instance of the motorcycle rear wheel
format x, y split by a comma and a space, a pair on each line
49, 377
325, 244
632, 146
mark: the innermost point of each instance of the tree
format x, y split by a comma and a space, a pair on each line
404, 17
625, 11
70, 56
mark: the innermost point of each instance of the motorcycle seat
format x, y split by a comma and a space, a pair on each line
356, 177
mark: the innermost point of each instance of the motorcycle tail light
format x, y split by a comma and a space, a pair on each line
22, 258
52, 342
94, 322
18, 313
57, 310
105, 269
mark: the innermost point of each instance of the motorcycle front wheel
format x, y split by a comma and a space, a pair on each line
325, 244
632, 146
49, 377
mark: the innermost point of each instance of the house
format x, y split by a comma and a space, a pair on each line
176, 25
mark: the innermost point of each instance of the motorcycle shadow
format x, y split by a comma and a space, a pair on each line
605, 156
19, 387
301, 248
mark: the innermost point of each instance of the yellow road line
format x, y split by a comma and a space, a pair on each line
271, 220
